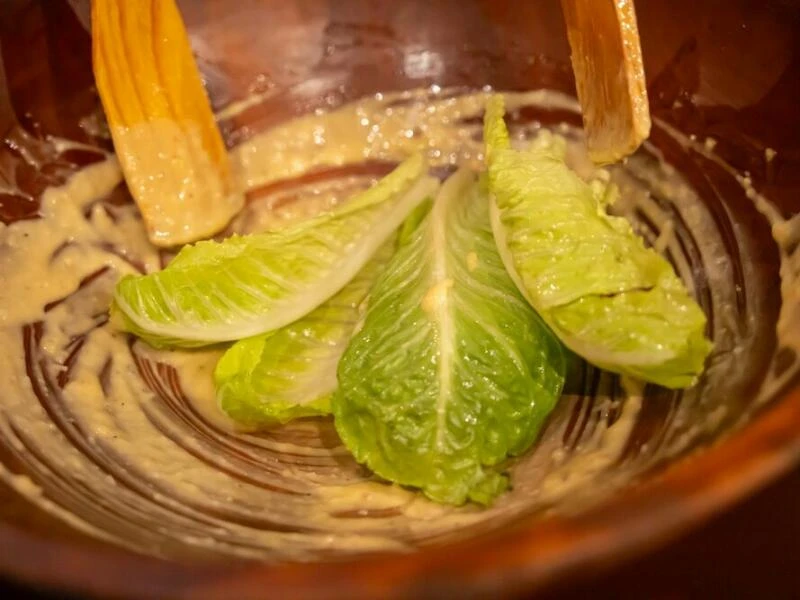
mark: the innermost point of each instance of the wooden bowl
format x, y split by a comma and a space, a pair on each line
723, 85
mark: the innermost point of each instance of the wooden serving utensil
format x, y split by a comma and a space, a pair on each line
164, 131
607, 61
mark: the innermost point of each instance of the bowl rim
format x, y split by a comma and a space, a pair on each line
529, 557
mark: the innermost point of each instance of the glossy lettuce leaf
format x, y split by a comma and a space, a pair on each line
452, 370
248, 285
291, 373
413, 221
608, 297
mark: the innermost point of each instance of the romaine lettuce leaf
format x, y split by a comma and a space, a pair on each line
291, 373
452, 370
613, 301
244, 286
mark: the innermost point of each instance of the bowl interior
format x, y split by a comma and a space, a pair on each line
148, 471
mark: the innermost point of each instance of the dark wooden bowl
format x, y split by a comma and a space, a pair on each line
723, 70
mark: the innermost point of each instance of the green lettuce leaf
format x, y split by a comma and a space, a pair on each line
452, 370
413, 221
608, 297
244, 286
291, 373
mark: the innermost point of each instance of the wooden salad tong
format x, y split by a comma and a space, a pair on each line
609, 76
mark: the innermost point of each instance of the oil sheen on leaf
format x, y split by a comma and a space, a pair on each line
613, 301
452, 371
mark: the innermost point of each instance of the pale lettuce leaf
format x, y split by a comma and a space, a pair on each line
244, 286
608, 297
452, 370
291, 373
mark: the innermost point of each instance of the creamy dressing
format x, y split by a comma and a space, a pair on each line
132, 446
387, 127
